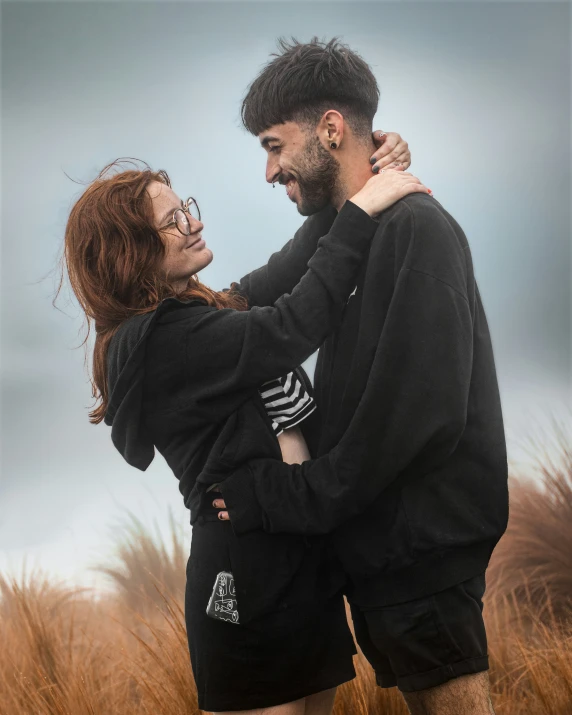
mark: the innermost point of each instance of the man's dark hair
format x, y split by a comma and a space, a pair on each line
305, 80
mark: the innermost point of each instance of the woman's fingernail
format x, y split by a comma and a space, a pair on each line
372, 160
375, 169
220, 515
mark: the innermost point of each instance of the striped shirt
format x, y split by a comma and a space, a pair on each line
287, 401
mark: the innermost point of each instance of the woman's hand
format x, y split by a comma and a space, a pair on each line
219, 504
392, 151
383, 190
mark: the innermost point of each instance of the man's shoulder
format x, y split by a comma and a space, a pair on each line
422, 235
419, 217
426, 210
414, 207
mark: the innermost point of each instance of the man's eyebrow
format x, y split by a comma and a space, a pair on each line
266, 141
170, 213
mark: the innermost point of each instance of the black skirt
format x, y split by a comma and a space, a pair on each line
298, 646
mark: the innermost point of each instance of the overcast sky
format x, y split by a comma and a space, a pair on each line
481, 91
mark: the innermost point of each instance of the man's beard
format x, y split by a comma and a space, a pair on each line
317, 176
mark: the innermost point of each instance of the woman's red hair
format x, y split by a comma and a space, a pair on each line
112, 253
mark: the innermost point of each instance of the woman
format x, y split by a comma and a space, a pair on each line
212, 379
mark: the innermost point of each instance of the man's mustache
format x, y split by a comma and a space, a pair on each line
285, 178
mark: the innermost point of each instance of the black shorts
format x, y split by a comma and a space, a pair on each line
424, 643
277, 658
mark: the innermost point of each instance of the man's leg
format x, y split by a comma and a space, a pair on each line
434, 649
468, 694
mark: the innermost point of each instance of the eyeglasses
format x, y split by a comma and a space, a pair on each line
180, 219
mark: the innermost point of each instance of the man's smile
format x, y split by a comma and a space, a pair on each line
290, 186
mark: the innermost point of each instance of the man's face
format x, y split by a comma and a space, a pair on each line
297, 159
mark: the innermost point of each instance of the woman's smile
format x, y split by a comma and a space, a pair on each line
197, 242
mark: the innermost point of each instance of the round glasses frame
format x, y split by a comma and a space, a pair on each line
186, 207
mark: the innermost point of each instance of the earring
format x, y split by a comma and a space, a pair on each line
333, 145
272, 184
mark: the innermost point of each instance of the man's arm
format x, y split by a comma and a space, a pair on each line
411, 415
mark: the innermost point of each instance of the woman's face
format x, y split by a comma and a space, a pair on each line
185, 255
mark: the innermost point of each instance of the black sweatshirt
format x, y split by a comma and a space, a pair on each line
409, 468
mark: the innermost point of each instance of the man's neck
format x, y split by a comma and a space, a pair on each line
355, 172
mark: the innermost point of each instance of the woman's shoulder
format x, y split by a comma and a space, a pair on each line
168, 310
174, 309
134, 330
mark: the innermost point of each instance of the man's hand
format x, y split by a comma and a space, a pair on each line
392, 151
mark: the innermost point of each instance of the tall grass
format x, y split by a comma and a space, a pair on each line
533, 561
143, 562
65, 652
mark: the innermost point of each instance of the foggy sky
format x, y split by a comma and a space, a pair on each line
481, 91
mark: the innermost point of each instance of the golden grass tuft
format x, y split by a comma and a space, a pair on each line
533, 561
142, 561
72, 652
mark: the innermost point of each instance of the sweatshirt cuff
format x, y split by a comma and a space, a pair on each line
360, 220
242, 505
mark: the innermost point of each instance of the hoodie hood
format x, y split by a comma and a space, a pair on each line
125, 375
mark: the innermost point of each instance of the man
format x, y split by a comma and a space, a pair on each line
409, 471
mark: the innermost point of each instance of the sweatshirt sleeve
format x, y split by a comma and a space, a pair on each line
242, 349
285, 267
411, 415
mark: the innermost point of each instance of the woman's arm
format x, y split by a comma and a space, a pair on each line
293, 446
286, 267
233, 350
228, 351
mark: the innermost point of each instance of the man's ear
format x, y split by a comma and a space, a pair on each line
331, 130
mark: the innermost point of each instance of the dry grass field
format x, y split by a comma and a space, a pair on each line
71, 652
